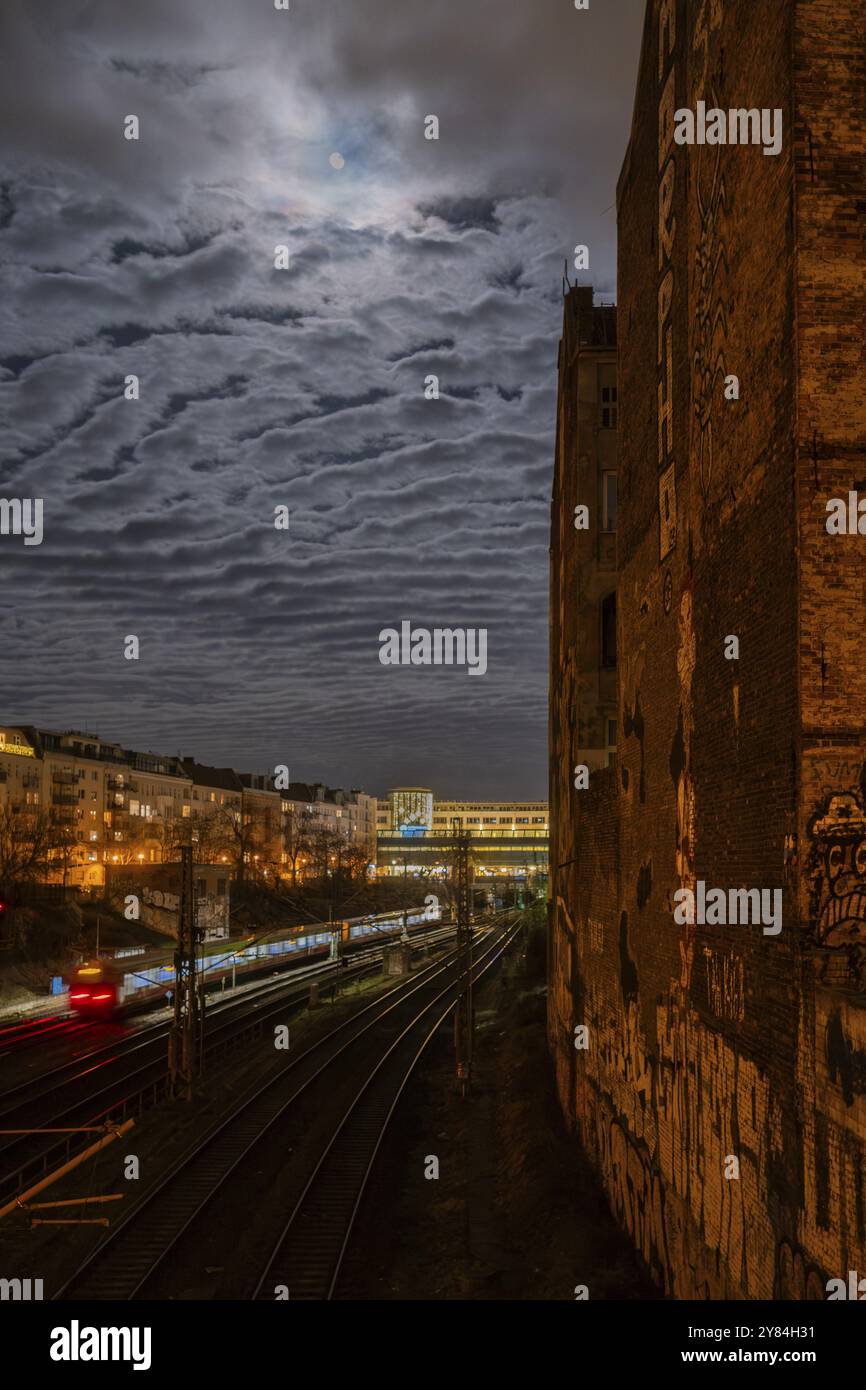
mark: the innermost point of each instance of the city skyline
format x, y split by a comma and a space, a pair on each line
32, 737
303, 388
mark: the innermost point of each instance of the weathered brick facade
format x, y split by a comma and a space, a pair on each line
708, 1042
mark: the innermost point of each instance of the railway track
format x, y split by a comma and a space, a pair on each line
16, 1038
133, 1256
308, 1256
127, 1075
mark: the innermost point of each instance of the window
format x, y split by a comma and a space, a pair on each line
610, 726
608, 631
608, 407
221, 884
608, 501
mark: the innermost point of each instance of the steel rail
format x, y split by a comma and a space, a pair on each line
229, 1144
323, 1218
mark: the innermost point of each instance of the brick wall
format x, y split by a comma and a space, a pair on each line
715, 1042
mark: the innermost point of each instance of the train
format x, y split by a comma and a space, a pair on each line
94, 989
100, 988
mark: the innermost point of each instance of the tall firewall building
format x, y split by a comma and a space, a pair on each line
707, 951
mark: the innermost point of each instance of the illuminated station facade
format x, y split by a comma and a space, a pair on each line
415, 833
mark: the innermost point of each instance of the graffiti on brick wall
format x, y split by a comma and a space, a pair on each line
796, 1277
636, 1193
836, 869
846, 1062
725, 984
709, 19
683, 1102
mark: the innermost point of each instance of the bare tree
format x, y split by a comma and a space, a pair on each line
29, 840
324, 845
350, 862
300, 827
237, 836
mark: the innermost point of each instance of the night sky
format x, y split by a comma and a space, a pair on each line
302, 387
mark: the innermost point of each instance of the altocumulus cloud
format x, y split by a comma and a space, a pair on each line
302, 387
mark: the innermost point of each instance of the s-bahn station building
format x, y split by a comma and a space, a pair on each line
508, 839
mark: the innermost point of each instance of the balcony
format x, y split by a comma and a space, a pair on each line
122, 784
64, 798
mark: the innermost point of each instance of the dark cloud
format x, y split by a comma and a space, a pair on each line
303, 388
464, 213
